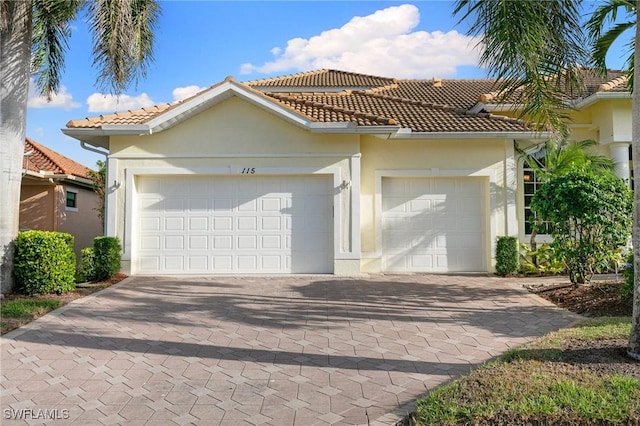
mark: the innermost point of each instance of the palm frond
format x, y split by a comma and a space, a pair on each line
604, 29
535, 49
51, 33
122, 31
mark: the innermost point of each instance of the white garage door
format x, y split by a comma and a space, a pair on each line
434, 224
266, 224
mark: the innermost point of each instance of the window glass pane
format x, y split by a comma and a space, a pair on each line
71, 199
531, 185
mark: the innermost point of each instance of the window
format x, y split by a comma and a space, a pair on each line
531, 185
72, 200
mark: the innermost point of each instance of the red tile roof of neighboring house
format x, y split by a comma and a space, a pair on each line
332, 96
47, 160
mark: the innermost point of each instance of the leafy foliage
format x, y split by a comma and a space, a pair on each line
605, 28
99, 179
44, 262
506, 256
535, 49
107, 257
541, 261
590, 216
87, 267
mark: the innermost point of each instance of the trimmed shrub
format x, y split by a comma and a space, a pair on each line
107, 257
44, 262
86, 269
506, 256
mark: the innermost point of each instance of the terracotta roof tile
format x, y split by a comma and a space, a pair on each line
457, 93
48, 160
433, 105
369, 109
138, 116
323, 78
593, 82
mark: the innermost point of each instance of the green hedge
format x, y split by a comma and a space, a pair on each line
87, 267
107, 257
506, 256
44, 262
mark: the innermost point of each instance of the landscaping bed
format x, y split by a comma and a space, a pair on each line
576, 376
32, 307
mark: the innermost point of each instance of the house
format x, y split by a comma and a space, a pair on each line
57, 194
329, 172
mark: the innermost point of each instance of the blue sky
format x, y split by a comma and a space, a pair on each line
199, 43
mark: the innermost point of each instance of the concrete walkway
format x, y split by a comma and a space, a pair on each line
310, 350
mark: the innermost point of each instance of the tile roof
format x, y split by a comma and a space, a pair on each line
323, 78
332, 96
371, 109
47, 160
138, 116
592, 82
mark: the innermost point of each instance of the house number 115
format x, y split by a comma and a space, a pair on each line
248, 170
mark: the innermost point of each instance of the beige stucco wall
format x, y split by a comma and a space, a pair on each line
84, 224
37, 206
43, 207
222, 141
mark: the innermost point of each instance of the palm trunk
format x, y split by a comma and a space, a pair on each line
634, 338
15, 57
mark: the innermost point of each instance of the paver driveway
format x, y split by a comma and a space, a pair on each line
261, 350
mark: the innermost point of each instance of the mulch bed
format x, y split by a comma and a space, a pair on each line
598, 299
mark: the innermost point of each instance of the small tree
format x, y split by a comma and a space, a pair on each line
99, 178
590, 216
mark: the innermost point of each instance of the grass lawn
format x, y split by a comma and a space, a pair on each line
538, 384
17, 310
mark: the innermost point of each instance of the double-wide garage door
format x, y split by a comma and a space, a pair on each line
216, 224
434, 224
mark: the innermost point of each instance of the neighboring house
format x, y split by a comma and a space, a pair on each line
327, 172
57, 195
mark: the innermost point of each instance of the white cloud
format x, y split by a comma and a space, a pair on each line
180, 93
99, 102
382, 43
62, 99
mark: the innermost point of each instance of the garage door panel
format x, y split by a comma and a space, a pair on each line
234, 224
433, 224
173, 242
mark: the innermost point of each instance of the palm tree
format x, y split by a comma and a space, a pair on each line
536, 48
33, 38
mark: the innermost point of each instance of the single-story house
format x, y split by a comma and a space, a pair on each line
56, 194
330, 172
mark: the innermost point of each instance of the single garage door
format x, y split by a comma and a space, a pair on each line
434, 224
247, 224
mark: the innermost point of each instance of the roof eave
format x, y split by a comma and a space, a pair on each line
599, 96
99, 136
351, 127
43, 174
408, 134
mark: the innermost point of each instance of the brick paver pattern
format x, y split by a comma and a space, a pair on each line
299, 350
